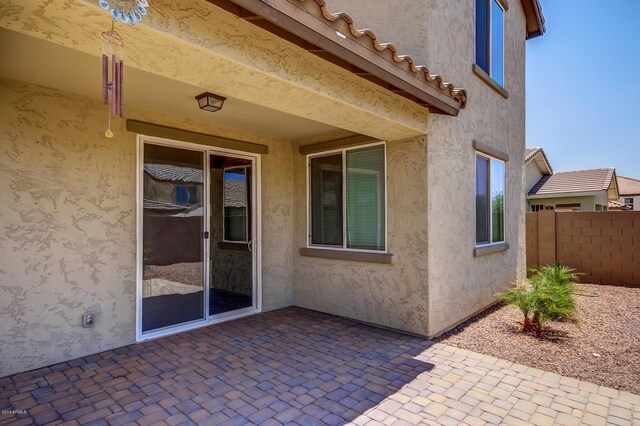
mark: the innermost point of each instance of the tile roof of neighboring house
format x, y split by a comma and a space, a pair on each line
576, 181
171, 173
616, 205
161, 206
628, 186
235, 193
529, 153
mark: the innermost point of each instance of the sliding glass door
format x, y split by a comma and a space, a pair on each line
231, 282
173, 282
196, 230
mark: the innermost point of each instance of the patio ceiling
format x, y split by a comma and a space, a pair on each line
207, 48
75, 72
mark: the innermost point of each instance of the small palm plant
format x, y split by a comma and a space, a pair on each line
548, 295
520, 295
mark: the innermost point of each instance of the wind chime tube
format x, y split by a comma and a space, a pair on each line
105, 78
120, 89
114, 85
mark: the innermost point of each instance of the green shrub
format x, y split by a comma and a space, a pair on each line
548, 295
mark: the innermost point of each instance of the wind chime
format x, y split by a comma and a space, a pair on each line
129, 12
113, 51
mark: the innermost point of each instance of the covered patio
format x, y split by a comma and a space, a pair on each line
295, 366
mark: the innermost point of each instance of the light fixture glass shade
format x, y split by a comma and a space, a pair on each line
210, 102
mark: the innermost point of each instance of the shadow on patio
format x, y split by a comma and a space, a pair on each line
290, 365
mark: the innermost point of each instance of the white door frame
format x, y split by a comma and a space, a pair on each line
256, 242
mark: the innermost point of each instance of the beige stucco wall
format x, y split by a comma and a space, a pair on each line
75, 249
441, 34
68, 222
389, 295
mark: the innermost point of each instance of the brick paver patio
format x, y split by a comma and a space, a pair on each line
295, 366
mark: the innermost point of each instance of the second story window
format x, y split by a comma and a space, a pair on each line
490, 38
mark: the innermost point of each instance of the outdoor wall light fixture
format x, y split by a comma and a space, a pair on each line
210, 102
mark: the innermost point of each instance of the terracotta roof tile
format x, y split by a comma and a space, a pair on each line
628, 186
390, 52
529, 153
532, 153
616, 205
576, 181
171, 173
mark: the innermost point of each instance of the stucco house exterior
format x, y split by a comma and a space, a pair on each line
370, 187
629, 189
579, 190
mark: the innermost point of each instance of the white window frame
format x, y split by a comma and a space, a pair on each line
504, 27
224, 217
490, 243
629, 203
343, 151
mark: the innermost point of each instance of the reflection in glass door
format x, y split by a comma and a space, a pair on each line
173, 225
231, 282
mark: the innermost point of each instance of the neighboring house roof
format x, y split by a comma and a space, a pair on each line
235, 193
235, 190
174, 174
161, 206
628, 186
529, 153
334, 36
616, 205
540, 157
576, 181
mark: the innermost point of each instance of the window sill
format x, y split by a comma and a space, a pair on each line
490, 249
490, 81
354, 256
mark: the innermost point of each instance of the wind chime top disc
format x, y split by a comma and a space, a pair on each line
127, 11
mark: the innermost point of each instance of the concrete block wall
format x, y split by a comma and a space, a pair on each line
604, 246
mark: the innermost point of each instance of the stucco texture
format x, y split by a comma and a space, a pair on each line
186, 43
442, 36
390, 295
68, 224
68, 229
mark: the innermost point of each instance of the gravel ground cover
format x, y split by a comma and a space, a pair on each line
185, 273
603, 348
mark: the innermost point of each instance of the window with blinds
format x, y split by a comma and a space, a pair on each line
347, 199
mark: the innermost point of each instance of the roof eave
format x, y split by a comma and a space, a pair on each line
534, 18
335, 36
565, 194
545, 160
613, 183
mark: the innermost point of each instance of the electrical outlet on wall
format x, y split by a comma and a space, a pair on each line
88, 319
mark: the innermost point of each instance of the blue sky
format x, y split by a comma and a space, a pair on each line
583, 85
